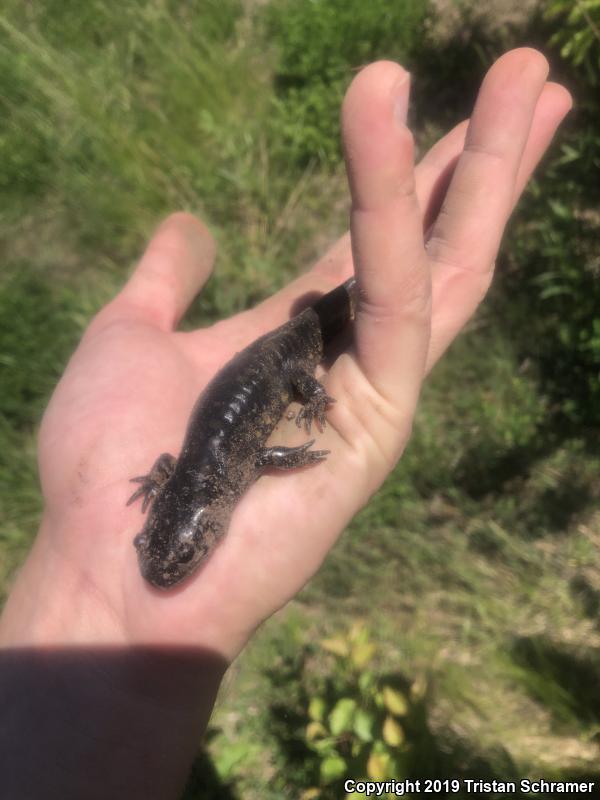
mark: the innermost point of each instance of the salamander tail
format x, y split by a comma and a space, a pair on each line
336, 309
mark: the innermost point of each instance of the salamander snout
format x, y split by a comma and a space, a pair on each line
167, 555
164, 572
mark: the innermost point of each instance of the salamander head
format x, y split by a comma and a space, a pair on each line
172, 546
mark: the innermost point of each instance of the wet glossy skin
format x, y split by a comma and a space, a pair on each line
224, 447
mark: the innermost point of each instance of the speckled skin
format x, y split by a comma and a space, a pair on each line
224, 447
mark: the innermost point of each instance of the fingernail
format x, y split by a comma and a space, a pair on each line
401, 92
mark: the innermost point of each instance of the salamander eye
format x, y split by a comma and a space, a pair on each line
140, 541
186, 553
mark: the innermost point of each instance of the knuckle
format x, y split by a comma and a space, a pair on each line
441, 251
416, 295
415, 309
486, 151
409, 297
405, 185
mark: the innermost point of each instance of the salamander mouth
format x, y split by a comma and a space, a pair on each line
164, 564
163, 576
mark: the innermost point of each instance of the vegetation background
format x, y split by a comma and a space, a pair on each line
454, 630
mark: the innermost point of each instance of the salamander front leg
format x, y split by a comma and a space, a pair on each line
288, 457
315, 400
154, 480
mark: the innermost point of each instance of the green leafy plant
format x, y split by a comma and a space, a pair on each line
554, 251
551, 289
355, 719
579, 33
319, 44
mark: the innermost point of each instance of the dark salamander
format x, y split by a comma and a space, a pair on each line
224, 449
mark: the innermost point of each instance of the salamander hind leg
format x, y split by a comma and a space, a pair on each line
315, 401
288, 457
154, 480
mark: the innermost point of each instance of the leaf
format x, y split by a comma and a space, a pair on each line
395, 701
569, 154
332, 767
554, 291
315, 730
419, 687
358, 633
342, 715
377, 766
366, 681
310, 794
393, 734
356, 747
230, 757
317, 708
337, 646
363, 725
559, 209
324, 747
363, 653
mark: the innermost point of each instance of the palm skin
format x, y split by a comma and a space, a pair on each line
128, 390
126, 397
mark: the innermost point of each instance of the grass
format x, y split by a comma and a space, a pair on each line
477, 563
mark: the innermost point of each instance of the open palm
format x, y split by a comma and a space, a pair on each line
423, 244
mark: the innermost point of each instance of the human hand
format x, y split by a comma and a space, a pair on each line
423, 252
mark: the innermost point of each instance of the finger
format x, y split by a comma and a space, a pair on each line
457, 293
432, 176
436, 168
174, 267
434, 171
467, 231
392, 313
553, 105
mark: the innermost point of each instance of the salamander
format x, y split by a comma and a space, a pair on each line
224, 451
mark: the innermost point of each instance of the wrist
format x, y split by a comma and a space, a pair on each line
99, 715
74, 589
53, 603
